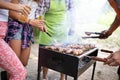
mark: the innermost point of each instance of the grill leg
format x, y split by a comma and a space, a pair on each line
94, 65
39, 73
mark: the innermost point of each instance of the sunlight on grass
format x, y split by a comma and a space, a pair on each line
106, 19
113, 40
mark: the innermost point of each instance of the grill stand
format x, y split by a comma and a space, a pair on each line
75, 77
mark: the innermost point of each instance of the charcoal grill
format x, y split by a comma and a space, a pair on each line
68, 64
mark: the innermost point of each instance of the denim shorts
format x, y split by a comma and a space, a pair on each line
18, 35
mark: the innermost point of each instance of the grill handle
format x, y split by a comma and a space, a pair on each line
107, 51
97, 58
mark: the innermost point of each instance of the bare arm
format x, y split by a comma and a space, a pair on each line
6, 5
106, 33
115, 7
13, 14
15, 7
114, 25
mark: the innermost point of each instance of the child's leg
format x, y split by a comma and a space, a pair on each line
62, 77
45, 71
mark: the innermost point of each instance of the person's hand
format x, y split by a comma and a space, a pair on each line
113, 59
105, 34
21, 8
39, 24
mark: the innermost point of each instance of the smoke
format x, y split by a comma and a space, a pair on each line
86, 13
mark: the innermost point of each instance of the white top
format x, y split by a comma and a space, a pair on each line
4, 13
33, 5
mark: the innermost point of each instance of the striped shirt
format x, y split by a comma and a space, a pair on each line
44, 6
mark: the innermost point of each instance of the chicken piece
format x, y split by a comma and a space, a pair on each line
59, 49
50, 47
68, 50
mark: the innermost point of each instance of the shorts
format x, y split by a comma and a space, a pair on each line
18, 35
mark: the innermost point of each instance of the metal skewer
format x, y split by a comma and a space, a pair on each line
89, 33
48, 34
90, 37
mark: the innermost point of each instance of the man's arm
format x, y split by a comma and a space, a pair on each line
115, 7
106, 33
116, 23
114, 26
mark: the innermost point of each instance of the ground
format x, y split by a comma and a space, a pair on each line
102, 72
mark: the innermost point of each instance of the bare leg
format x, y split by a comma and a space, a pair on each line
16, 46
23, 54
62, 77
45, 70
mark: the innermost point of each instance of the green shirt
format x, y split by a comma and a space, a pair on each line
55, 20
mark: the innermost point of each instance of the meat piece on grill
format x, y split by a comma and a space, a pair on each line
77, 52
68, 50
50, 47
75, 49
60, 49
92, 46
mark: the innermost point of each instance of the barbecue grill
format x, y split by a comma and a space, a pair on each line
68, 64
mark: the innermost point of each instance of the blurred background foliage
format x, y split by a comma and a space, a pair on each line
96, 15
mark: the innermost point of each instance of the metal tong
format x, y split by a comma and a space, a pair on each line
48, 34
90, 37
55, 41
89, 33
